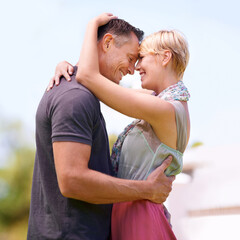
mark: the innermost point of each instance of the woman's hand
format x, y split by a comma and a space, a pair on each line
64, 69
104, 18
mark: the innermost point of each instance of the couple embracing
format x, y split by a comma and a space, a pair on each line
81, 192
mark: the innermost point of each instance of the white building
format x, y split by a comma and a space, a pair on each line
205, 201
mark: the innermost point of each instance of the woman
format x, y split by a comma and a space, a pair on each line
163, 130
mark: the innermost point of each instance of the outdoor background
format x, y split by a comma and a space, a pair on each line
36, 35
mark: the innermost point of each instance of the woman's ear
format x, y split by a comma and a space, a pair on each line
107, 41
166, 57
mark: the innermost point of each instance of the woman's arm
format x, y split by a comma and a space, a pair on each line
89, 54
130, 102
142, 90
126, 101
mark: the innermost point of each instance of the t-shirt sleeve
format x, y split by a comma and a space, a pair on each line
73, 116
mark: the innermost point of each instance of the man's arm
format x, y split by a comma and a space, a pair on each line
77, 181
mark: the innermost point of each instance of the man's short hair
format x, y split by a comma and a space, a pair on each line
119, 28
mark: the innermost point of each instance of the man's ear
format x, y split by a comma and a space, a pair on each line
107, 41
166, 57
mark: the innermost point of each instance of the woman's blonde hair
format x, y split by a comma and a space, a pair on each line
171, 40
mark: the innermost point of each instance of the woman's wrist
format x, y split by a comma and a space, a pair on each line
95, 22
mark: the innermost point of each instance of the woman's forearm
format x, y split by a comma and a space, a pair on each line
88, 61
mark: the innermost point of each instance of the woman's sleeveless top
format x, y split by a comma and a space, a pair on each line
142, 151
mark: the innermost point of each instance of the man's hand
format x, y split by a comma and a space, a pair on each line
65, 69
161, 184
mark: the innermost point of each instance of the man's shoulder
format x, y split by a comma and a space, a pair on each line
76, 85
71, 90
68, 97
79, 91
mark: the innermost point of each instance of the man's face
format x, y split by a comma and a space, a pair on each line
120, 61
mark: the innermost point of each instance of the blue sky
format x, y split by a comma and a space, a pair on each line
36, 35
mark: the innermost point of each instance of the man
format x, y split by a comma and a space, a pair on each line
73, 187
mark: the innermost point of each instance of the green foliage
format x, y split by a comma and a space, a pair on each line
112, 139
196, 144
14, 204
15, 181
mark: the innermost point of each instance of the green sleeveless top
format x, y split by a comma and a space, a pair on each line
142, 151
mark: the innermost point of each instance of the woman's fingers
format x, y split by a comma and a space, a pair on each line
57, 78
51, 83
105, 18
64, 69
70, 69
66, 75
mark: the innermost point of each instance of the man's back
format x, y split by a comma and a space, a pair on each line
67, 113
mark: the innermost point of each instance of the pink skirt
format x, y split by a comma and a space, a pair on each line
140, 220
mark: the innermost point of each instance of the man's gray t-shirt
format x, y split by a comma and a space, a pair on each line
69, 112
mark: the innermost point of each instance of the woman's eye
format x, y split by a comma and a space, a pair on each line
138, 61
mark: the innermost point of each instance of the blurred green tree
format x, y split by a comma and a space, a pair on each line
16, 166
196, 144
112, 139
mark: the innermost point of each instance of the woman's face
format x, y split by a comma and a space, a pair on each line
149, 67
